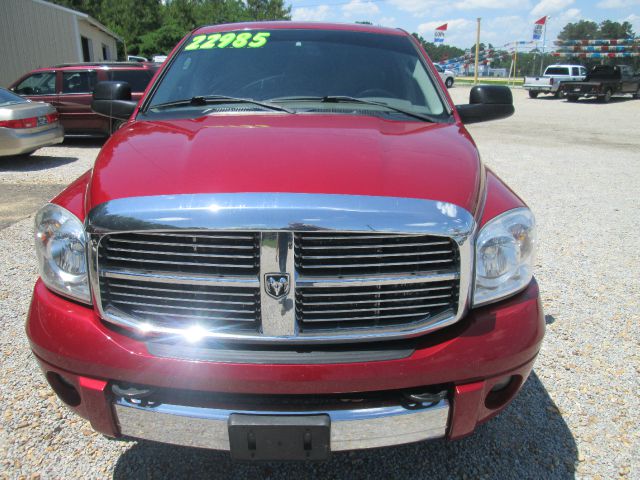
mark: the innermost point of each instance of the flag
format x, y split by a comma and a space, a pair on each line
537, 28
439, 33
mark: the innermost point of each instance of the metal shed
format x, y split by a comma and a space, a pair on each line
35, 33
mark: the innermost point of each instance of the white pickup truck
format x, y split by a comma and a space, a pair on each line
554, 76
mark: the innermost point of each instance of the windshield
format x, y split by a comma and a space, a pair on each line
557, 71
276, 65
8, 98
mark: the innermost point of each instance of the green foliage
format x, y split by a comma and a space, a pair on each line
584, 29
154, 26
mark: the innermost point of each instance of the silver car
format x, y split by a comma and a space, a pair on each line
25, 126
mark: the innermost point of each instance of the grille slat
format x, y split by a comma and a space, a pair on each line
177, 244
211, 302
171, 262
369, 255
381, 300
350, 294
181, 254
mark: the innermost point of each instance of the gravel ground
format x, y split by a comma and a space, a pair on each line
577, 166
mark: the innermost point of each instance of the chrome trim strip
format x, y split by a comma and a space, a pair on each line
287, 212
276, 257
365, 281
208, 280
350, 429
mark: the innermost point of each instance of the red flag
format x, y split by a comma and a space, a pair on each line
542, 21
444, 27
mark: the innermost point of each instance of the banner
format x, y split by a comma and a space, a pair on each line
537, 28
596, 55
439, 33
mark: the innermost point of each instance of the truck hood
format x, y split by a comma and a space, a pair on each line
302, 153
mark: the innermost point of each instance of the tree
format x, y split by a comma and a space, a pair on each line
609, 29
268, 10
582, 30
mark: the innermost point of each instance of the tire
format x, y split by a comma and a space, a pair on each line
449, 82
572, 98
559, 93
606, 98
533, 94
637, 94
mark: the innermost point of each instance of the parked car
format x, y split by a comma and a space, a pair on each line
553, 78
26, 126
159, 58
291, 248
603, 82
69, 88
448, 77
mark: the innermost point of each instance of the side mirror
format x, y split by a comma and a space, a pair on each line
487, 102
113, 100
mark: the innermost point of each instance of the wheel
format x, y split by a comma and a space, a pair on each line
572, 98
533, 94
449, 82
559, 93
637, 94
607, 96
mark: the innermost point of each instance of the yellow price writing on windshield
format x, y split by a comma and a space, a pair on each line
228, 40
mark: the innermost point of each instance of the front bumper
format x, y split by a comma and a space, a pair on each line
351, 429
468, 359
16, 141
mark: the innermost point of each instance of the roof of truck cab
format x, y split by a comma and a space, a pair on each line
286, 25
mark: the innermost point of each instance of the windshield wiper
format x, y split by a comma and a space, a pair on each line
347, 99
213, 99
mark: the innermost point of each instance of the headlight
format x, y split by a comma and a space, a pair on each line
61, 250
504, 256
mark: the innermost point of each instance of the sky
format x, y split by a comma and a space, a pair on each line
503, 21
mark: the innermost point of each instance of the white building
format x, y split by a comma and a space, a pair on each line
35, 33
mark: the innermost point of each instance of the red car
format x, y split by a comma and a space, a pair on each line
69, 89
291, 248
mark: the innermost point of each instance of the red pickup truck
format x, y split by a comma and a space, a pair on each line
290, 248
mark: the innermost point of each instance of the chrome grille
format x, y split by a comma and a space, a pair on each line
181, 306
366, 254
227, 253
214, 265
373, 306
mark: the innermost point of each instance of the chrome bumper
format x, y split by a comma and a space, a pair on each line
350, 429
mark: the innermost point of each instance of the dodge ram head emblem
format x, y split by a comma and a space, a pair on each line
276, 284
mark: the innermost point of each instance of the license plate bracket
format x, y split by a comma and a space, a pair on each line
279, 437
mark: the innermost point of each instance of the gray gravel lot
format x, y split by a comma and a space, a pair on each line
576, 165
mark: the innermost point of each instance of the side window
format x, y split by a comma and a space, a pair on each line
138, 79
38, 84
583, 71
78, 82
438, 68
575, 71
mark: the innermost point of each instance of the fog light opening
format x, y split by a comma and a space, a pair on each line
502, 391
64, 389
